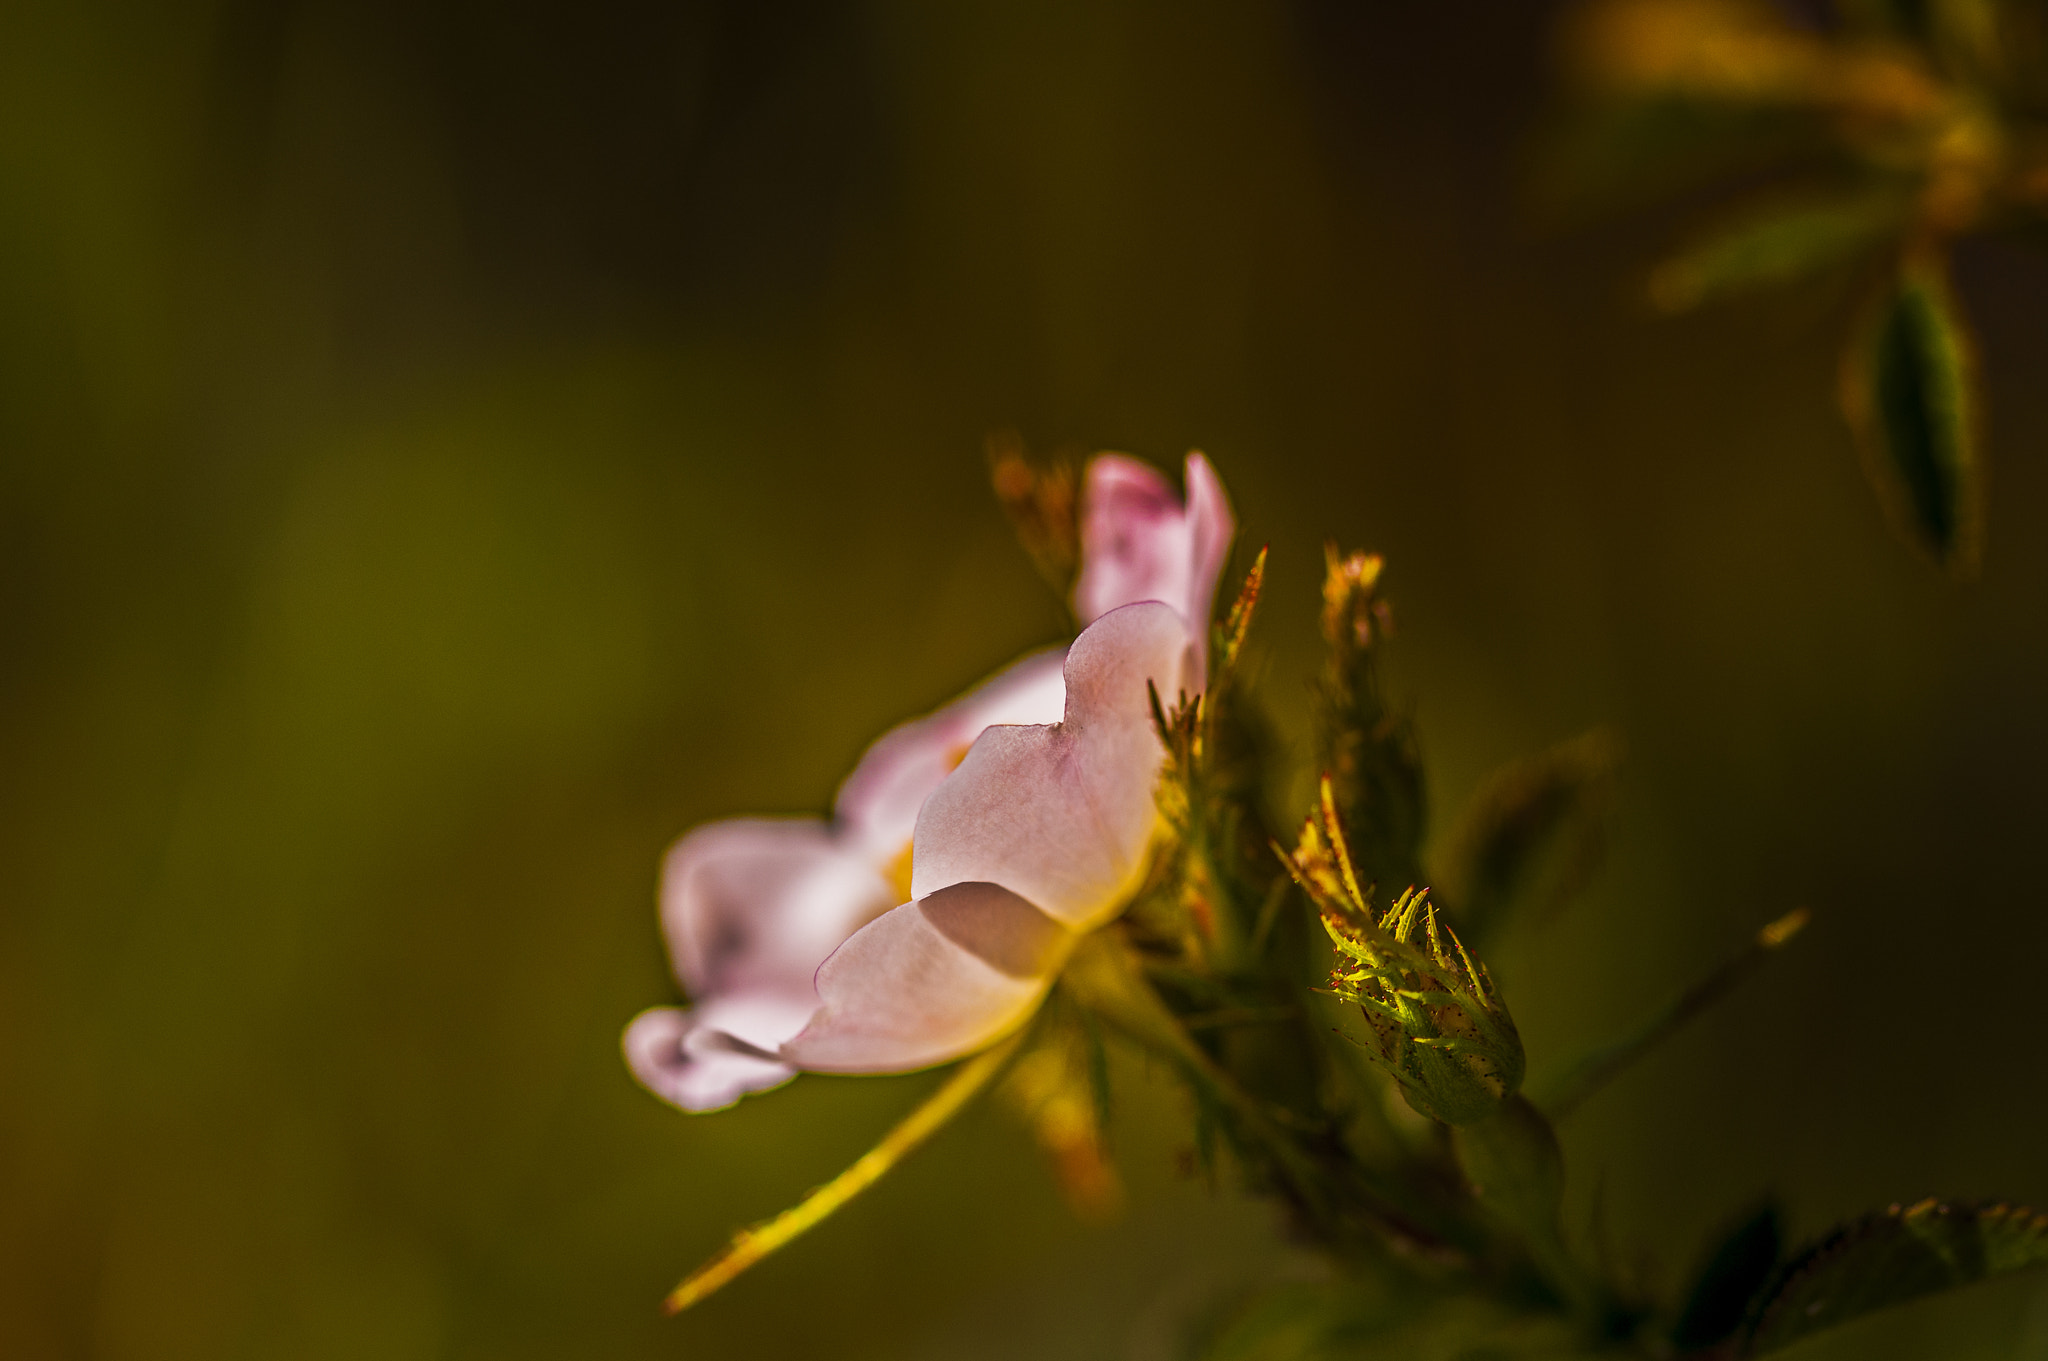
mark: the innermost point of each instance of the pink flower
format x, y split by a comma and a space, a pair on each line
967, 852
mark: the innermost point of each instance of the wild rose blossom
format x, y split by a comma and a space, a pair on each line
968, 851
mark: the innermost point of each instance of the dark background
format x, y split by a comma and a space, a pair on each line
449, 449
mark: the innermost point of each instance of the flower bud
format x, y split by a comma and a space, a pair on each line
1433, 1020
1354, 612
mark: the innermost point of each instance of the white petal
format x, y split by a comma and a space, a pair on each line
755, 905
687, 1066
930, 981
1062, 814
877, 806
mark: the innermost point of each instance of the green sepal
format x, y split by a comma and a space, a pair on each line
1210, 893
1365, 746
1909, 391
1890, 1258
1738, 1267
1434, 1020
1515, 1167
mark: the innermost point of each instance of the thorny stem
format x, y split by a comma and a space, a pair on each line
1114, 987
1106, 980
750, 1245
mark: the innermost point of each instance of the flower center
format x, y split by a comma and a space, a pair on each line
898, 873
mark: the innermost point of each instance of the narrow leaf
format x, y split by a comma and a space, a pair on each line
1889, 1258
1735, 1271
1774, 245
1909, 393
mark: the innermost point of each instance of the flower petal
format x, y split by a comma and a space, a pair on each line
759, 1020
1134, 539
930, 981
689, 1066
1062, 813
877, 806
753, 906
1139, 542
1210, 529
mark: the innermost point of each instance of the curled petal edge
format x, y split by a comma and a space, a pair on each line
693, 1068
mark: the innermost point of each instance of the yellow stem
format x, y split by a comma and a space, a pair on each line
750, 1245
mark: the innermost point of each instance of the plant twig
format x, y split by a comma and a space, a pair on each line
1596, 1069
750, 1245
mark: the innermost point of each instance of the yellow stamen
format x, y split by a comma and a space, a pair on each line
898, 874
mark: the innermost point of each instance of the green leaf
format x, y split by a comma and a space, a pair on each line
1909, 392
1889, 1258
1738, 1267
1532, 835
1773, 245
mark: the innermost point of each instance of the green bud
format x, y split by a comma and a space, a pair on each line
1434, 1021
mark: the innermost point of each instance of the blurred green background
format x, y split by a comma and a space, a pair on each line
447, 450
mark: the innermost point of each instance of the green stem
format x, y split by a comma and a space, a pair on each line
750, 1245
1603, 1065
1113, 986
1516, 1169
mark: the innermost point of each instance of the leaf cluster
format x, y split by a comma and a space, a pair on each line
1855, 145
1447, 1235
